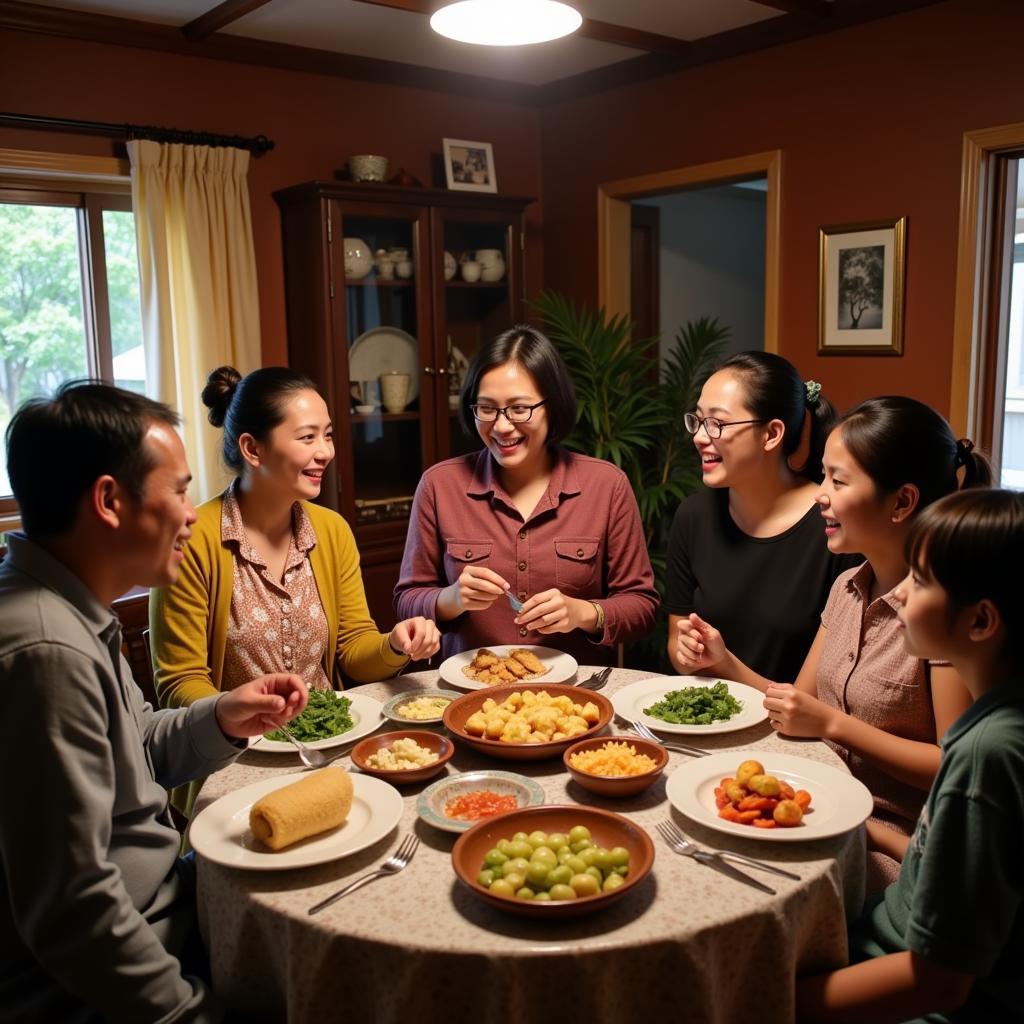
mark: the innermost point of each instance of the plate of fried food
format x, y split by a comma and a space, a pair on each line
507, 665
769, 796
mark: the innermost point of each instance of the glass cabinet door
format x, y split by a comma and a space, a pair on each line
480, 253
387, 333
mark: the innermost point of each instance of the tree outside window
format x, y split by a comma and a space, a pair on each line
69, 297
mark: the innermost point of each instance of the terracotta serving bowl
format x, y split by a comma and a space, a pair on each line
440, 745
617, 785
606, 828
458, 712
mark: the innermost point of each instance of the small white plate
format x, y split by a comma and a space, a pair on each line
221, 833
630, 701
385, 350
390, 709
839, 802
364, 711
431, 802
561, 666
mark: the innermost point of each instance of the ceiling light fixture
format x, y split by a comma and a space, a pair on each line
505, 22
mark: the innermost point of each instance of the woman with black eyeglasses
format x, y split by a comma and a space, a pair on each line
747, 553
526, 522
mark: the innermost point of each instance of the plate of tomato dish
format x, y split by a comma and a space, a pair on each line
458, 802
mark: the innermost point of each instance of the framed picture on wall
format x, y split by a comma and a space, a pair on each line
469, 166
861, 280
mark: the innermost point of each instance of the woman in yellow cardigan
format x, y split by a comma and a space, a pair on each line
270, 582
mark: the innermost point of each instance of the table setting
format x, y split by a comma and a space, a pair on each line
708, 917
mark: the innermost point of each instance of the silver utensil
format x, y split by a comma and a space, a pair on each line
517, 605
597, 680
395, 863
671, 828
710, 860
309, 757
645, 733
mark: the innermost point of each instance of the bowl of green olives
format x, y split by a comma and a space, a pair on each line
553, 861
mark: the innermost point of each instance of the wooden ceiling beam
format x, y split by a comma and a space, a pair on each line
810, 8
217, 17
633, 38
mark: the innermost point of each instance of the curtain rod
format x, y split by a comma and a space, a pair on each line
256, 146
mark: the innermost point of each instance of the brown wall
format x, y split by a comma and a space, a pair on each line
870, 123
317, 121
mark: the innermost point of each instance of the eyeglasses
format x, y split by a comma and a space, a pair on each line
712, 427
513, 413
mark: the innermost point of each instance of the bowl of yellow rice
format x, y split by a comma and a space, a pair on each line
615, 765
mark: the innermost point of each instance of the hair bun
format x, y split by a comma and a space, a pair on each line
964, 447
220, 389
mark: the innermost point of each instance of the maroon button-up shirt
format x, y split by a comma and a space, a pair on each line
584, 537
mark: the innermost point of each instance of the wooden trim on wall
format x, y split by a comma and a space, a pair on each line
613, 226
973, 245
63, 164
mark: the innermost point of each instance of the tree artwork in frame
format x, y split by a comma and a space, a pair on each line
469, 166
861, 280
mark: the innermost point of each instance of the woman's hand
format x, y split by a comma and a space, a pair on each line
260, 706
551, 611
796, 713
417, 638
477, 588
698, 644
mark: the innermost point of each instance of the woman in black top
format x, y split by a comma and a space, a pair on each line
749, 553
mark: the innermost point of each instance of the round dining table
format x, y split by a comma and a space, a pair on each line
688, 944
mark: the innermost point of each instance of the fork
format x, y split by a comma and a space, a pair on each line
395, 863
712, 860
517, 605
645, 733
597, 680
670, 828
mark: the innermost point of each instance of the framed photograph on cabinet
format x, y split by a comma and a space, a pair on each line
861, 280
469, 166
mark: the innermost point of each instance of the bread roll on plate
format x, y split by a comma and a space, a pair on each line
316, 803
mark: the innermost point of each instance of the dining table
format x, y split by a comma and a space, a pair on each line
687, 944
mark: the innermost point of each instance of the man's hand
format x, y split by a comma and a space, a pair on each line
260, 706
417, 638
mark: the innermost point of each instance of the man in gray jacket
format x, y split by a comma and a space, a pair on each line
96, 911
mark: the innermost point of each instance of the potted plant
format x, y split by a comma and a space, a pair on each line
633, 417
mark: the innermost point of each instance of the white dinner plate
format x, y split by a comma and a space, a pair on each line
385, 350
839, 802
221, 833
364, 711
630, 701
561, 666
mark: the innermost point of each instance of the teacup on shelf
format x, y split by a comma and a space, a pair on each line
471, 271
394, 390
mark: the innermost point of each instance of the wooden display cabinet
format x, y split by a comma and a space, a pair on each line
349, 325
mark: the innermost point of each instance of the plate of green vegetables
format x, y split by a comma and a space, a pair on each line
690, 704
329, 720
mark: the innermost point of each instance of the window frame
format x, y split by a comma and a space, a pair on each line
90, 185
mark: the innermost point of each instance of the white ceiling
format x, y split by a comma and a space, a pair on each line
345, 26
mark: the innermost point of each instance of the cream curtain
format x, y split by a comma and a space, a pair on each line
197, 268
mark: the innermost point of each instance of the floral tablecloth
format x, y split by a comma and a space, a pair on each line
688, 945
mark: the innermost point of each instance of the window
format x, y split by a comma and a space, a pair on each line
69, 296
1012, 462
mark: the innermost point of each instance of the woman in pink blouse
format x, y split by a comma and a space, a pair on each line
881, 709
526, 519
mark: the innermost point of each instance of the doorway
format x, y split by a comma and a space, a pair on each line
615, 234
707, 260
